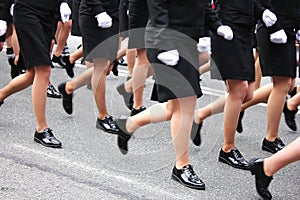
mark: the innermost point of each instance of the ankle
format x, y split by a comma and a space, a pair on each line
228, 147
69, 87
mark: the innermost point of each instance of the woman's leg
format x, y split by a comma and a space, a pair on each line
39, 95
17, 84
281, 86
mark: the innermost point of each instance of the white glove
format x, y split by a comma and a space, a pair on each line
269, 18
279, 37
3, 27
11, 10
65, 12
225, 32
169, 57
204, 45
298, 35
104, 20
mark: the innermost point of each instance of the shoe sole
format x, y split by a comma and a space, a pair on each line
101, 128
237, 167
46, 145
54, 96
189, 186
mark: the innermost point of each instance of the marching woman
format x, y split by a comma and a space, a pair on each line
235, 62
99, 26
278, 59
171, 43
35, 25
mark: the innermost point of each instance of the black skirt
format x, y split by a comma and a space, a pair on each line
276, 59
98, 42
75, 18
123, 16
138, 18
35, 30
181, 80
234, 58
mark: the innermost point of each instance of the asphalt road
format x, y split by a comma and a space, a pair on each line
90, 166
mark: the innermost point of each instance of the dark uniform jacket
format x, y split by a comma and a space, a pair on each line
287, 12
189, 17
95, 7
5, 9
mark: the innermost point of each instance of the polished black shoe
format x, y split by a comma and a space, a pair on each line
289, 116
262, 181
47, 138
196, 133
234, 158
187, 177
14, 69
69, 66
10, 52
273, 147
52, 92
107, 124
239, 127
123, 135
58, 60
126, 96
137, 111
115, 68
67, 99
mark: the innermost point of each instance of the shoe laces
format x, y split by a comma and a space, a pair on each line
52, 89
111, 122
48, 133
278, 141
237, 154
189, 171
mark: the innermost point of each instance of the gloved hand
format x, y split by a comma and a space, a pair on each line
279, 37
11, 10
225, 32
169, 57
104, 20
204, 45
298, 35
65, 12
3, 27
269, 18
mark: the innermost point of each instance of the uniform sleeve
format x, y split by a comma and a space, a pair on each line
96, 6
212, 20
259, 7
158, 10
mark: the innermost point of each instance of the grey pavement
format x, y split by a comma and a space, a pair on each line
90, 165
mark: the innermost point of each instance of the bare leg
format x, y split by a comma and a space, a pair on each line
289, 154
39, 95
17, 84
101, 67
140, 73
62, 36
281, 86
237, 93
80, 81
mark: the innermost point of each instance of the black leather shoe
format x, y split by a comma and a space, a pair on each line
196, 133
58, 60
52, 92
239, 127
187, 177
115, 68
126, 96
66, 98
107, 124
262, 181
289, 116
273, 147
10, 52
123, 135
137, 111
69, 66
47, 138
14, 69
234, 158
